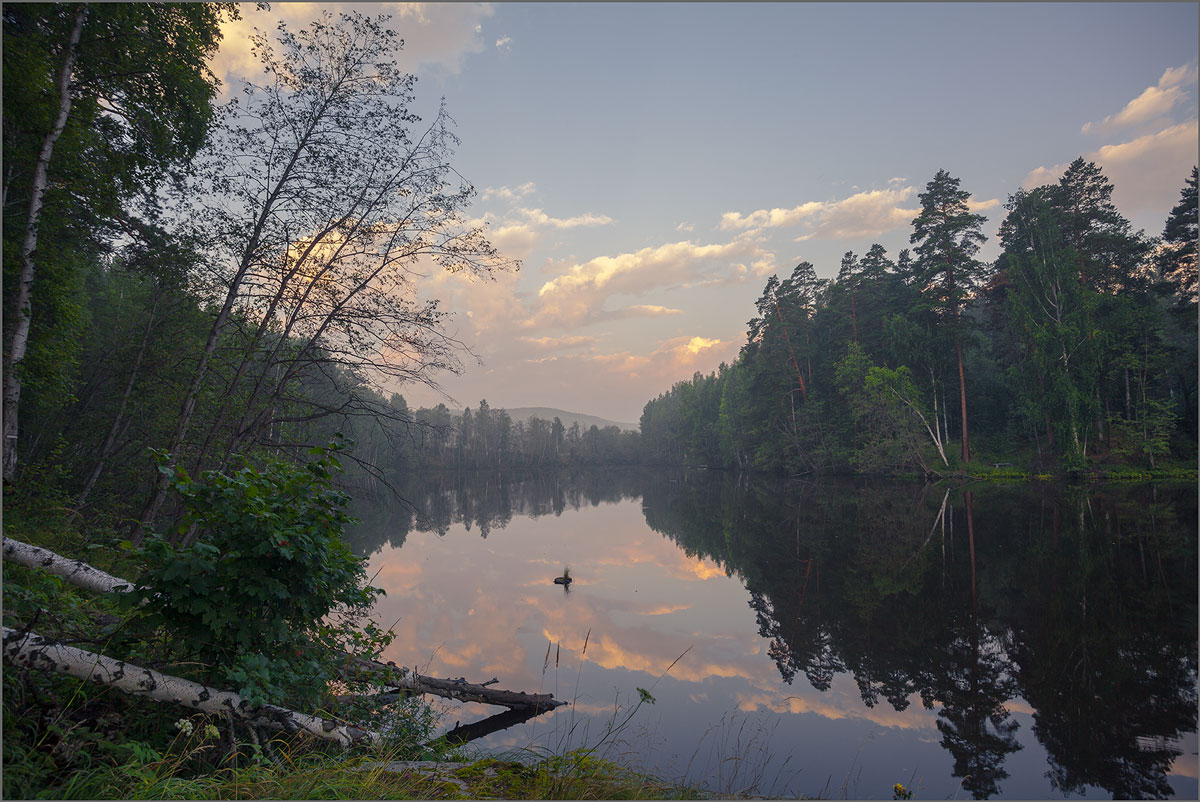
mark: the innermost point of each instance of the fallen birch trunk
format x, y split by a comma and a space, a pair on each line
398, 680
30, 650
77, 572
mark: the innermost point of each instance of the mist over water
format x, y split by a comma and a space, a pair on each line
1019, 641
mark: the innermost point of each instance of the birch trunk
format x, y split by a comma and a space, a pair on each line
24, 307
30, 650
77, 572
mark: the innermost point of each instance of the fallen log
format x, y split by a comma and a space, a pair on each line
396, 680
77, 572
393, 677
30, 650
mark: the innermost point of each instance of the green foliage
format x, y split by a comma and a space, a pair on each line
886, 410
1148, 436
268, 594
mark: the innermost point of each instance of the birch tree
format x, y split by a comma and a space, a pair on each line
101, 104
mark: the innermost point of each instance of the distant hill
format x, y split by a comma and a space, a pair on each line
549, 413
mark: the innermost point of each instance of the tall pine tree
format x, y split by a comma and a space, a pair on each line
947, 236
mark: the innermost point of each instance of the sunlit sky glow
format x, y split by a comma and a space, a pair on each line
652, 164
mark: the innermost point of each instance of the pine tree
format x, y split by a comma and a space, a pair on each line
947, 236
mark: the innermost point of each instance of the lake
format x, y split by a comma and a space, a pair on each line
828, 638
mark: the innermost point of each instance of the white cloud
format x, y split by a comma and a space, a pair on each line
436, 35
685, 227
1153, 103
577, 295
863, 214
504, 43
517, 232
508, 193
670, 360
514, 240
654, 310
982, 206
558, 343
538, 217
1146, 172
771, 218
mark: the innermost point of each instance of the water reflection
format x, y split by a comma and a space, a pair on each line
1080, 602
480, 500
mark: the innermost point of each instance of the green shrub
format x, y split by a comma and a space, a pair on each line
269, 595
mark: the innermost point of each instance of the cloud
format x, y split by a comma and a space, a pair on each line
514, 240
436, 35
981, 206
558, 343
508, 194
654, 310
538, 217
1146, 172
1154, 102
685, 227
863, 214
866, 214
773, 218
515, 233
504, 43
577, 295
670, 360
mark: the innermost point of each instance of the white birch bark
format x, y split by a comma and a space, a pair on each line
77, 572
15, 352
30, 650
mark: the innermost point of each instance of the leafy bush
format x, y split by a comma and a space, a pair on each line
269, 595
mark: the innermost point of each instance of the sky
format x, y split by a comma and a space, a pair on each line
651, 165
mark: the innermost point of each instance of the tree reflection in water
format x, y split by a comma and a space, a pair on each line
1079, 601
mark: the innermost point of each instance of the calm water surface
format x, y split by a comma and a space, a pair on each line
833, 638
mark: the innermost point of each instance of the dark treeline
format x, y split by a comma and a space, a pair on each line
487, 438
213, 281
1078, 344
1080, 602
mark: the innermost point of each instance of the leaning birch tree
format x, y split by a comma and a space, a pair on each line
325, 201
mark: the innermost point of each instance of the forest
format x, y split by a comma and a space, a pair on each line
210, 298
1076, 348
